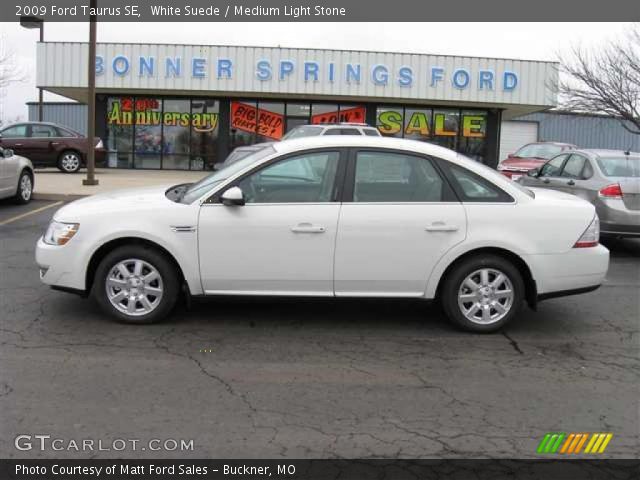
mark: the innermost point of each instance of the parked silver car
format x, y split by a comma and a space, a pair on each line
16, 176
609, 179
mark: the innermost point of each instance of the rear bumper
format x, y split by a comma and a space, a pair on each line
619, 230
580, 269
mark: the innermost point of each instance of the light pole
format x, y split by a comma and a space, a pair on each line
91, 101
35, 22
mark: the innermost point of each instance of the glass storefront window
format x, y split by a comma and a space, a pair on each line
353, 113
242, 124
270, 125
417, 124
176, 119
446, 127
120, 116
298, 110
324, 113
205, 120
183, 133
148, 132
389, 121
474, 131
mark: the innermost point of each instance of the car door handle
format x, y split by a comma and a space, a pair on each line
53, 144
571, 183
307, 228
546, 180
17, 144
441, 227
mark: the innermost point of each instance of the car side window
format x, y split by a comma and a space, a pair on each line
474, 188
396, 177
553, 167
306, 178
573, 167
43, 131
17, 131
62, 132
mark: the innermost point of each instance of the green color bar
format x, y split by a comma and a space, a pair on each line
550, 443
543, 443
555, 447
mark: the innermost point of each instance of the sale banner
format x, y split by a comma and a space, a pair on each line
350, 115
249, 119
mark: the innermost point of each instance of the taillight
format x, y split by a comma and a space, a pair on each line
591, 236
611, 191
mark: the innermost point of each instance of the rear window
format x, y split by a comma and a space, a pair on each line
620, 166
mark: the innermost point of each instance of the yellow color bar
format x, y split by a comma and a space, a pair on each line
606, 441
594, 437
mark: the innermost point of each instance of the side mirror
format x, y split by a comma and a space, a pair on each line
233, 197
534, 172
510, 155
7, 153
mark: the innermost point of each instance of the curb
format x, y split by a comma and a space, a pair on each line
56, 197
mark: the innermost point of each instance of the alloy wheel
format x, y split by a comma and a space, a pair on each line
134, 287
70, 162
26, 188
486, 296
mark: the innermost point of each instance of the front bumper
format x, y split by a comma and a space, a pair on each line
60, 266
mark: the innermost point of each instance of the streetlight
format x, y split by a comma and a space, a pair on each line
35, 22
91, 103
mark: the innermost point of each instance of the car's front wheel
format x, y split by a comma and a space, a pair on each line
482, 293
25, 188
136, 284
69, 161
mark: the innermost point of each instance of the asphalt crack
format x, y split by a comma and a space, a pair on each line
513, 343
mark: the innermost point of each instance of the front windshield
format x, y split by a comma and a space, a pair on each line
198, 189
539, 150
304, 131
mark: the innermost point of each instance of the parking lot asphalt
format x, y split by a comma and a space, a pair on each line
271, 378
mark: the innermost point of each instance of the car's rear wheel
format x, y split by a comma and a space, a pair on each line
482, 293
136, 284
69, 161
25, 188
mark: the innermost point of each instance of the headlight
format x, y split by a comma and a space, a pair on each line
99, 144
59, 233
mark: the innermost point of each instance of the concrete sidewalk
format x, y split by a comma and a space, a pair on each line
52, 184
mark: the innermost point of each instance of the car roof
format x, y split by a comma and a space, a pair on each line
603, 152
426, 148
562, 144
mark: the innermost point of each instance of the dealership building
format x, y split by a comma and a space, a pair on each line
187, 106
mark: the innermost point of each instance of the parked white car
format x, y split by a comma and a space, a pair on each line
16, 176
341, 216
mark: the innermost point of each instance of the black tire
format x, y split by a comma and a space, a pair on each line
169, 284
24, 193
453, 285
69, 161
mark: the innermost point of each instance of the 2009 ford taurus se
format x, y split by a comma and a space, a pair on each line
330, 216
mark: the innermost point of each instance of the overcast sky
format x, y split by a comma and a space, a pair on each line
531, 41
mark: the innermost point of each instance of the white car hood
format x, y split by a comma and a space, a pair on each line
142, 198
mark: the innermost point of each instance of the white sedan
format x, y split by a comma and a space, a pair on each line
334, 217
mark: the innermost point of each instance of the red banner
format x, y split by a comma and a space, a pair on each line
249, 119
351, 115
